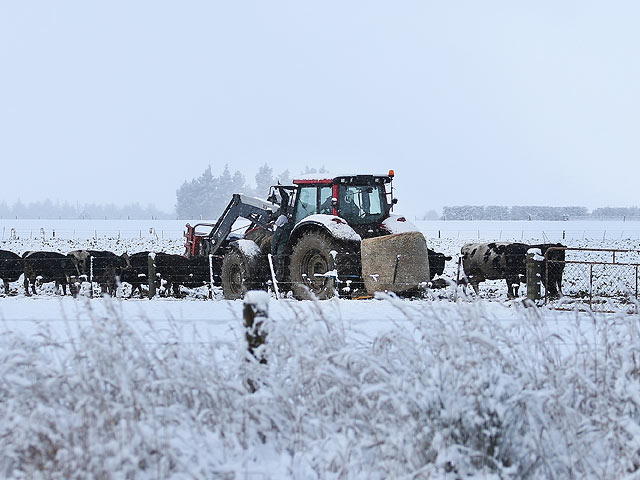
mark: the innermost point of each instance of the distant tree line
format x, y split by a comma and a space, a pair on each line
532, 212
202, 197
88, 211
628, 213
207, 195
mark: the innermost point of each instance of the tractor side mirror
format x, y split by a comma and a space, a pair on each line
394, 201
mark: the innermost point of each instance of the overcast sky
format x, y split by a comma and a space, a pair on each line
470, 102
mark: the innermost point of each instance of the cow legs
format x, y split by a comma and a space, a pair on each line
134, 287
6, 287
28, 281
513, 284
552, 289
113, 287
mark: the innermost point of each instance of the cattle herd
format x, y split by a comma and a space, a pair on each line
480, 262
104, 268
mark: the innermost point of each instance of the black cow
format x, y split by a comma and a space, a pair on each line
200, 273
49, 267
137, 275
102, 267
553, 267
11, 267
436, 263
176, 270
495, 261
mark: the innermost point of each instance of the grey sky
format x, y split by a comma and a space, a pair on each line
470, 102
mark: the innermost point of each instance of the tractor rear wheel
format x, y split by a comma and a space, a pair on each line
239, 275
312, 266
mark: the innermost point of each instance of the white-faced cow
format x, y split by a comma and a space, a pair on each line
496, 261
44, 267
11, 267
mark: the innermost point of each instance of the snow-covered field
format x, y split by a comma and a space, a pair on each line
463, 230
381, 388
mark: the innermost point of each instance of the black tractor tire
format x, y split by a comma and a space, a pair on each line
239, 275
310, 260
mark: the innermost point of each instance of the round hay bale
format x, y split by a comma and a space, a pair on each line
396, 263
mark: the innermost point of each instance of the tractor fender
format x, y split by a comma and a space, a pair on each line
256, 262
398, 224
334, 226
243, 269
248, 248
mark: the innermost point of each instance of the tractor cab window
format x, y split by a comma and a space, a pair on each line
307, 202
361, 203
325, 200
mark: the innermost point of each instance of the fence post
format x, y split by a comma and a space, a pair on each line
152, 274
90, 276
534, 273
211, 276
255, 313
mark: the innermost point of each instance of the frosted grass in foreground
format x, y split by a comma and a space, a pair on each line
452, 392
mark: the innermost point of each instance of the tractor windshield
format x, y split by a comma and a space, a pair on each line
362, 204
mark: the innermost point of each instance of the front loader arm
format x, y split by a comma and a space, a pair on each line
257, 211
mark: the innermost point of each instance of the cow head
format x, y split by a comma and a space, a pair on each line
80, 259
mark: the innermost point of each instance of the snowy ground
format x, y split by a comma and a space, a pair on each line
381, 388
463, 230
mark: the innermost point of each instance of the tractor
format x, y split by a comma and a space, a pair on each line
317, 238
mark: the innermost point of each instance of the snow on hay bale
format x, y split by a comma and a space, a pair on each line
396, 263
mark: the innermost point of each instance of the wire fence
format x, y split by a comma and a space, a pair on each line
602, 280
549, 236
492, 234
85, 234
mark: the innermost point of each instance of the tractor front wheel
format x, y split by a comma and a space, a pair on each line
239, 275
312, 266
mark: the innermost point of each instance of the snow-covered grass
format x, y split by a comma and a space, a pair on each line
442, 390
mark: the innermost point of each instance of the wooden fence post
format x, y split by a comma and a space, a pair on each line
255, 313
534, 273
152, 275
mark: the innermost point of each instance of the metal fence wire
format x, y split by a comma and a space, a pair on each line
601, 280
